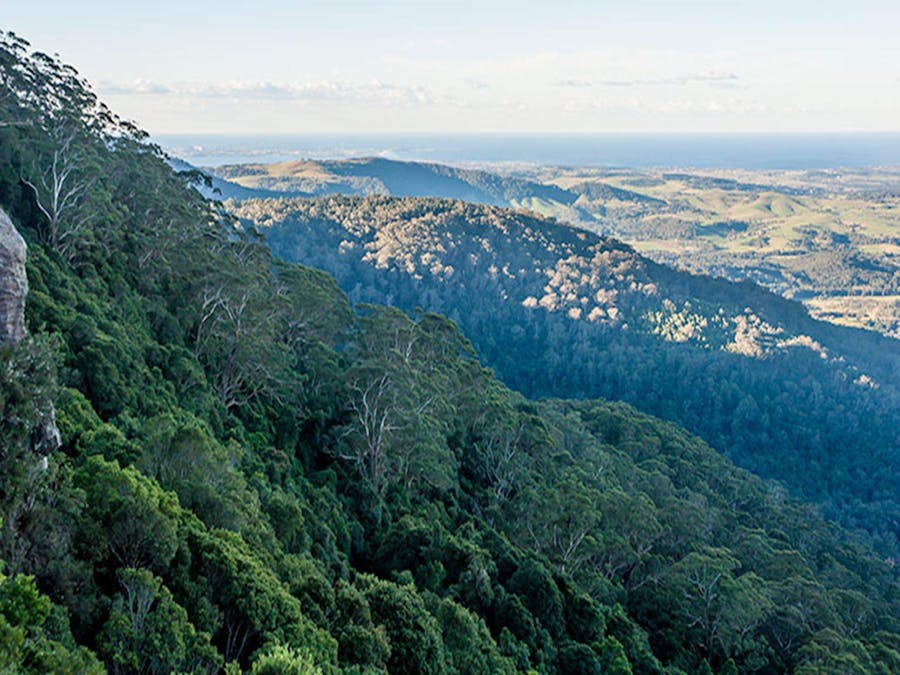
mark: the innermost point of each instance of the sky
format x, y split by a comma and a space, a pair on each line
390, 66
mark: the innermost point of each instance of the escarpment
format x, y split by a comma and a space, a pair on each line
13, 283
45, 437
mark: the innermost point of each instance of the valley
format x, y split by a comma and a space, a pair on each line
557, 311
830, 239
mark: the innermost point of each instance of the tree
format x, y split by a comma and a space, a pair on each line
719, 611
62, 177
30, 643
375, 414
397, 413
255, 607
239, 334
129, 520
33, 515
415, 636
281, 660
149, 632
562, 521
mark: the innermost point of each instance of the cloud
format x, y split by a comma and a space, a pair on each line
573, 84
729, 106
325, 91
715, 79
136, 87
710, 78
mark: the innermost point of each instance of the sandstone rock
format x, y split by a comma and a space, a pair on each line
45, 437
13, 283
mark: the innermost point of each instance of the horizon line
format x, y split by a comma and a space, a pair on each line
838, 132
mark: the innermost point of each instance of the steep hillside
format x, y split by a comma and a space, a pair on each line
557, 311
254, 478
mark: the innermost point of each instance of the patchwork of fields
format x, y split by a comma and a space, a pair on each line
828, 238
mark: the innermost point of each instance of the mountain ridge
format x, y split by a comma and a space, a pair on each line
379, 175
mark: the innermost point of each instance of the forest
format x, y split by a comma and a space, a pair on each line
560, 312
254, 475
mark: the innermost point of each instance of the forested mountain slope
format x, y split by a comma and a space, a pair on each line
252, 476
557, 311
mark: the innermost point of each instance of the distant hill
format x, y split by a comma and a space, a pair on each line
602, 192
219, 189
821, 237
375, 175
558, 311
715, 182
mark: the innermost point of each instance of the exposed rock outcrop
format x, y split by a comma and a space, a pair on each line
13, 283
45, 437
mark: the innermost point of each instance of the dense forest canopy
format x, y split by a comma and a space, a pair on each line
254, 477
557, 311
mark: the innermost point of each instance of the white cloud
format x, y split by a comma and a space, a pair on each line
710, 78
374, 91
132, 88
573, 84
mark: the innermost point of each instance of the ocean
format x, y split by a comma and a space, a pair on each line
726, 151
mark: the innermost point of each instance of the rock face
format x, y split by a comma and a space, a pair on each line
45, 436
13, 283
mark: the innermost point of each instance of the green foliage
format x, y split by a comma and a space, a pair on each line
129, 520
579, 659
29, 642
613, 659
469, 646
256, 606
361, 642
414, 634
281, 660
27, 387
556, 311
148, 632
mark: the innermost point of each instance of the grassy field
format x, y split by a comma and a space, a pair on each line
875, 312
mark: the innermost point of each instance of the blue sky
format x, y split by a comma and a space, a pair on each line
465, 66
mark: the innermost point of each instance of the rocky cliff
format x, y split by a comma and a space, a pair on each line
45, 436
13, 283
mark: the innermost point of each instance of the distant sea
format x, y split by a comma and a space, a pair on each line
726, 151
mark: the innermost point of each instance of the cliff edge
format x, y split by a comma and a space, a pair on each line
45, 437
13, 283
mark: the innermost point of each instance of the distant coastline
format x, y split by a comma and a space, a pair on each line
723, 151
